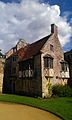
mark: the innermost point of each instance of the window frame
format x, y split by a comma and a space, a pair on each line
48, 62
64, 66
14, 58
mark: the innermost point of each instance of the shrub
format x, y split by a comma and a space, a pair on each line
62, 91
49, 90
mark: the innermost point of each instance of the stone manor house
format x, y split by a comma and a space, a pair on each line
29, 68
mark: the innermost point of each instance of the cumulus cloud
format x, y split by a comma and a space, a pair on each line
31, 20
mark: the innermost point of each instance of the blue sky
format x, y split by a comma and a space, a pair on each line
65, 6
10, 1
61, 8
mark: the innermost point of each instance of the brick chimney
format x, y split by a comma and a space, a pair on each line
54, 29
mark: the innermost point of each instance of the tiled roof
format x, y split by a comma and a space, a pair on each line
32, 49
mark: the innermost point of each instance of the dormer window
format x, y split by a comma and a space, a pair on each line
48, 61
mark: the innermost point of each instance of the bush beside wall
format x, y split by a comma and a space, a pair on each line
62, 90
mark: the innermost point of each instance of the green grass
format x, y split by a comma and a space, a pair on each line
59, 106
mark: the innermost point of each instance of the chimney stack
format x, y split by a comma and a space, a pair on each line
54, 29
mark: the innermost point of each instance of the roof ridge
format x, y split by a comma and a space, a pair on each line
34, 48
40, 39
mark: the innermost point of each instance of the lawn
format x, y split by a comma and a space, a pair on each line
59, 106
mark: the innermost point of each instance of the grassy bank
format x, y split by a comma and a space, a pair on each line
59, 106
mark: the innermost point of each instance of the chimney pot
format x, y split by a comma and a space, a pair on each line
54, 29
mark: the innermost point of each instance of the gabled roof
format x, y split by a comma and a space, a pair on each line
68, 52
33, 49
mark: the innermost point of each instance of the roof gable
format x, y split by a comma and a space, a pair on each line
33, 49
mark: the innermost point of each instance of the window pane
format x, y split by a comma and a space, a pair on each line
48, 62
51, 63
64, 66
45, 62
14, 58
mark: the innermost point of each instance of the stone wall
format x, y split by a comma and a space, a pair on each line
2, 61
57, 55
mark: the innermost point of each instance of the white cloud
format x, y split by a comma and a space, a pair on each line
30, 20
